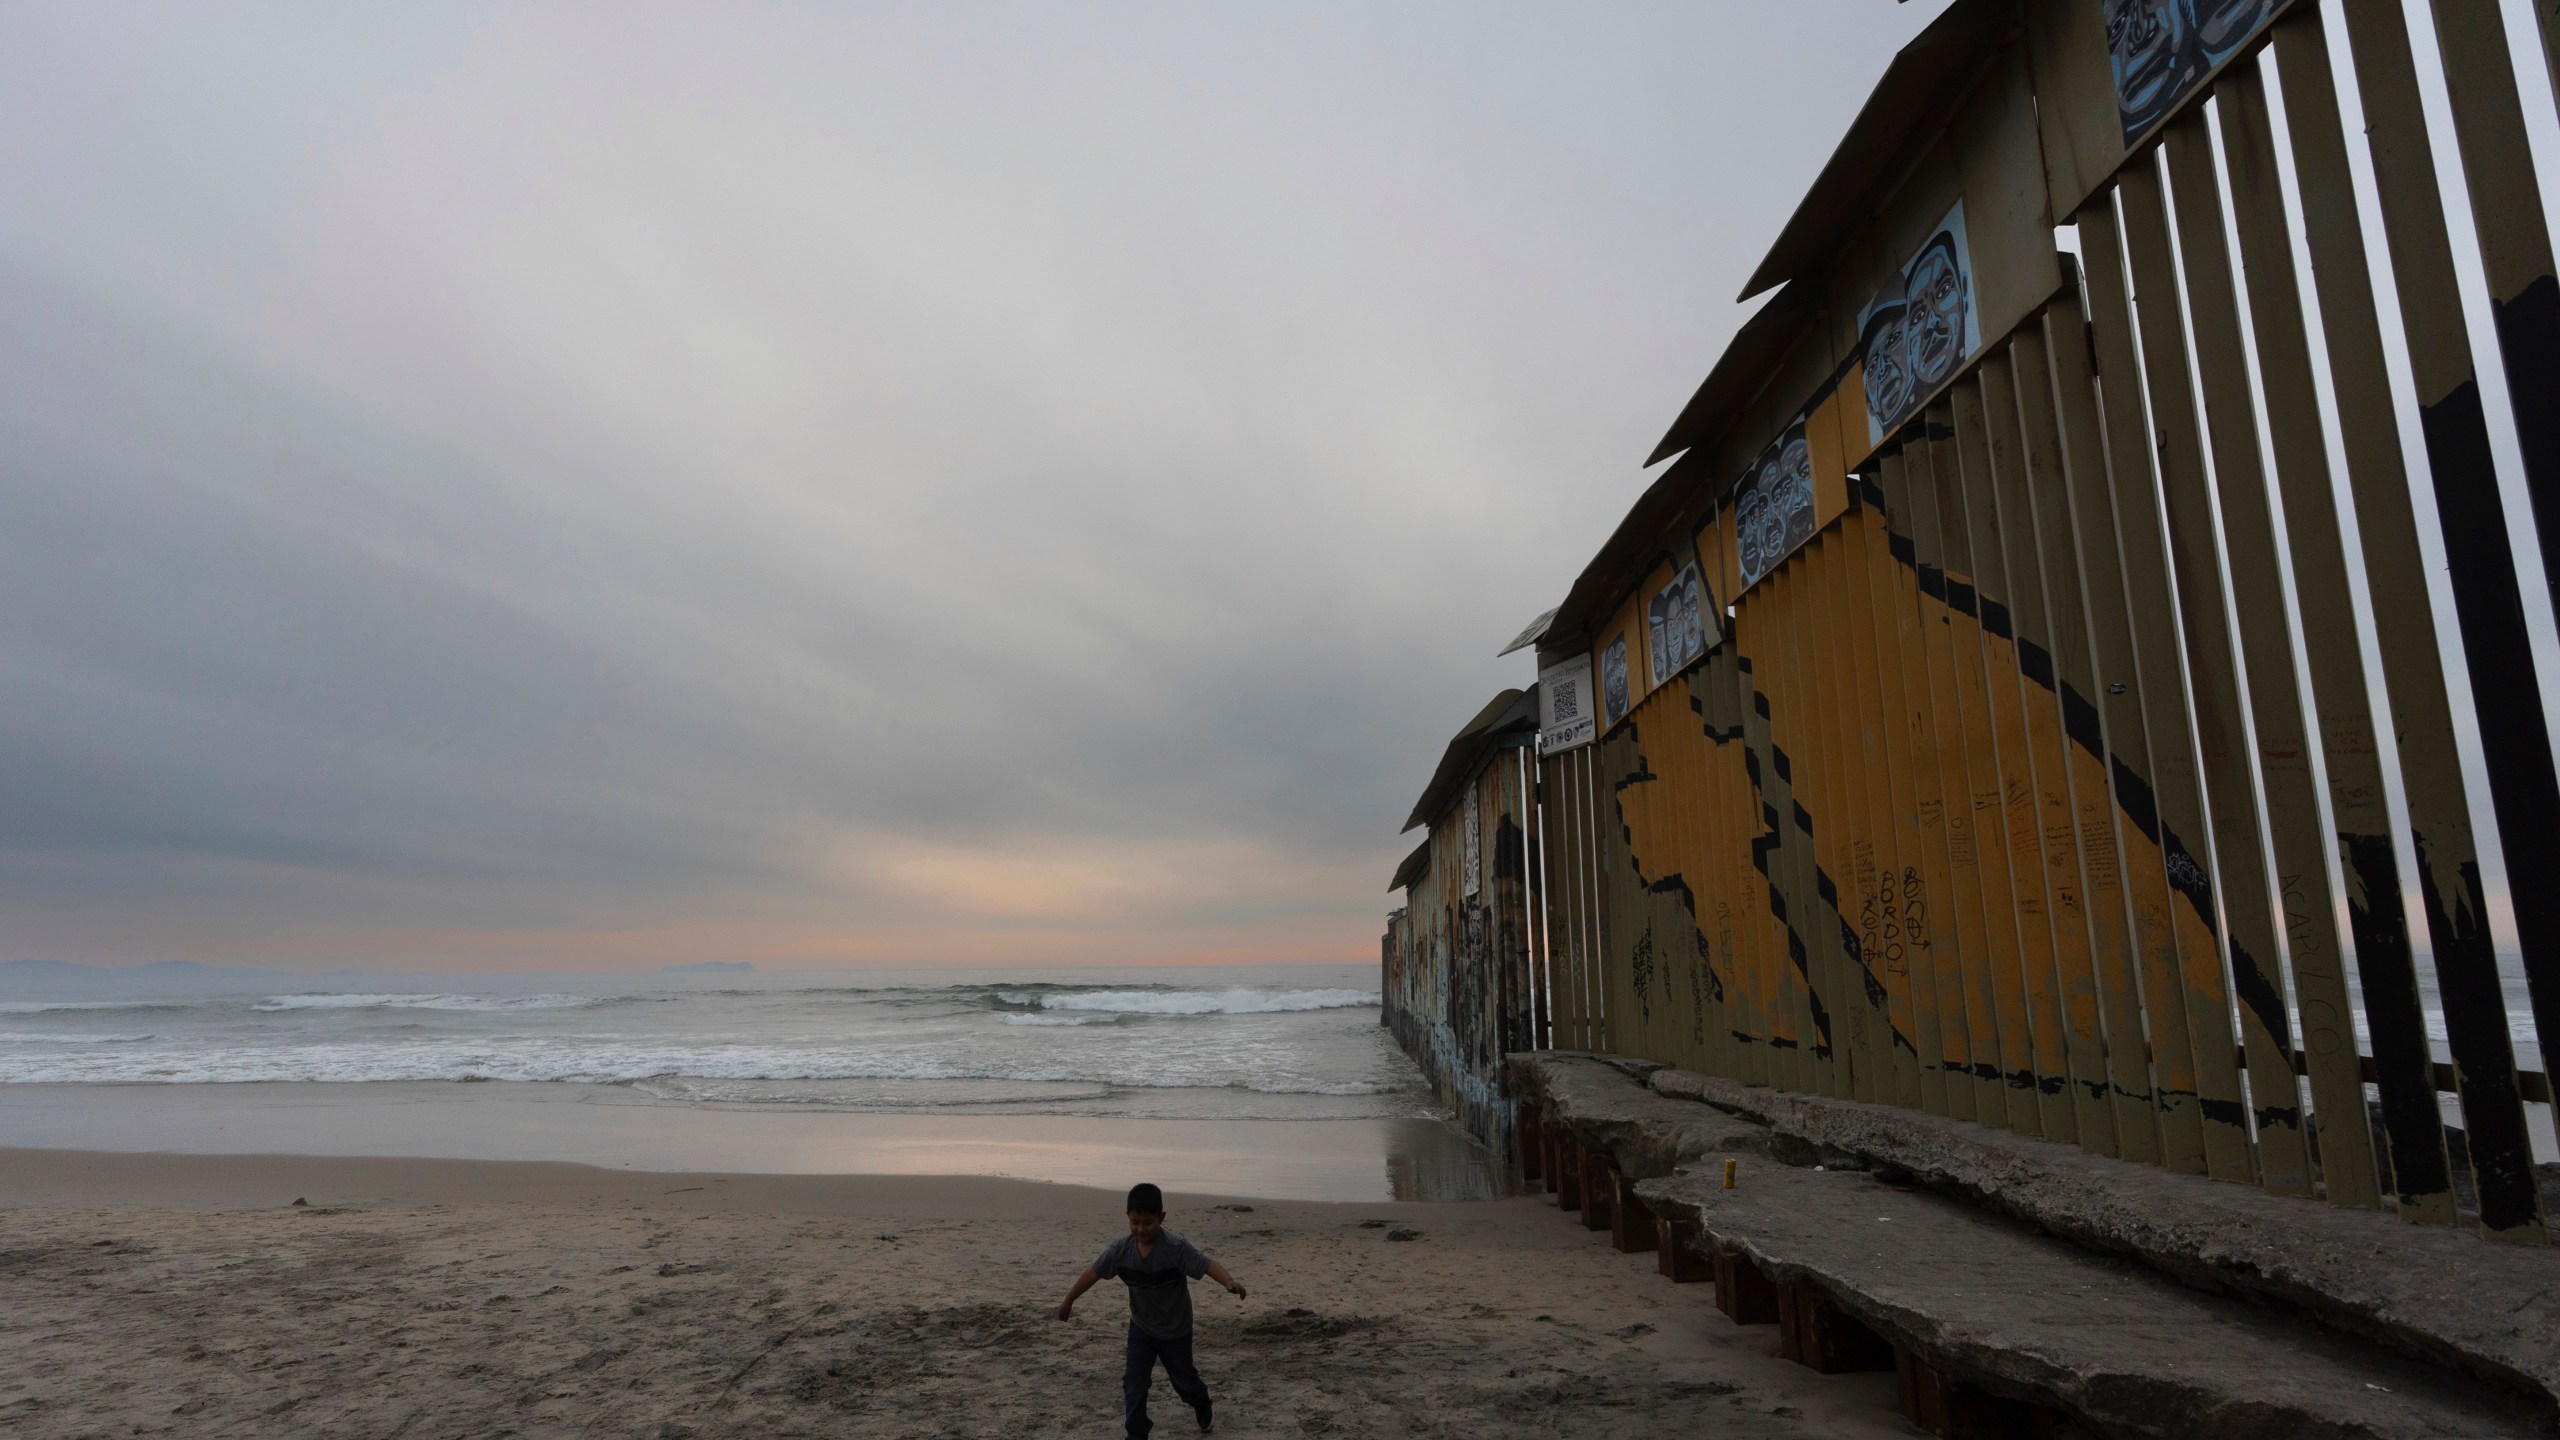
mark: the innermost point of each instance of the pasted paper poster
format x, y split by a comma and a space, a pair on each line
1773, 505
1566, 717
1675, 629
2161, 50
1918, 331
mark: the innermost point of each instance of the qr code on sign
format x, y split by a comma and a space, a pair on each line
1568, 702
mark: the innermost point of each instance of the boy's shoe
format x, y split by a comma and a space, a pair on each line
1202, 1410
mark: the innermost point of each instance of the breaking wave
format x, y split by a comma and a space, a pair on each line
433, 1002
1190, 1002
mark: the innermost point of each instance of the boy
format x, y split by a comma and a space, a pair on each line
1158, 1267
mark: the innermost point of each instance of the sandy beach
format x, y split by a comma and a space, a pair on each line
189, 1295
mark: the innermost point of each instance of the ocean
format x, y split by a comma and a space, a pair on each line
1282, 1073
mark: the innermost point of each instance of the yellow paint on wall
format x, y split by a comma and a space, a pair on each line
1830, 472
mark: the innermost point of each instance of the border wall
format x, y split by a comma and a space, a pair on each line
2039, 688
1459, 989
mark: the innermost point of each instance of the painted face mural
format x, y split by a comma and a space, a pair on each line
1613, 681
2162, 49
1773, 507
1919, 329
1677, 635
1888, 370
2222, 26
2150, 45
1795, 485
1935, 324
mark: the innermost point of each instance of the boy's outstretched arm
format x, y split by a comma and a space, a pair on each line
1084, 1282
1219, 1273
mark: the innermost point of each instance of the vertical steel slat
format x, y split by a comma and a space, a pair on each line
1869, 1048
1671, 746
2008, 953
2324, 592
2213, 672
1749, 887
2405, 631
2284, 770
1814, 926
2524, 305
2045, 500
1669, 750
1578, 887
1707, 889
1533, 845
2045, 761
1594, 857
1798, 716
1928, 917
1877, 773
1757, 887
2515, 245
2546, 18
1563, 914
1623, 1030
2133, 447
1779, 848
1718, 904
1778, 1003
2015, 798
1964, 767
2488, 606
1863, 781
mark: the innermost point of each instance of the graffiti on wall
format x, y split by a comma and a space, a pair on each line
1613, 682
2161, 50
1471, 860
1916, 334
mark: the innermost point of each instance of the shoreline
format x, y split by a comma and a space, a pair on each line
614, 1128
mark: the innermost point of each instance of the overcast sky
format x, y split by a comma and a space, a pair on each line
611, 486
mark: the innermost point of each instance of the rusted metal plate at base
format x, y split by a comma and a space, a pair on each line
1597, 1189
1824, 1338
1631, 1228
1957, 1411
1676, 1255
1742, 1292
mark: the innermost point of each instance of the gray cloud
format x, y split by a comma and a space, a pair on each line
478, 484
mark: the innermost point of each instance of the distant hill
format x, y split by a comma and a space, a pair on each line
702, 967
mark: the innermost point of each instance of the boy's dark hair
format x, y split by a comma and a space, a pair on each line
1145, 1199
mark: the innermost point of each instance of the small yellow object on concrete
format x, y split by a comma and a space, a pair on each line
1729, 1167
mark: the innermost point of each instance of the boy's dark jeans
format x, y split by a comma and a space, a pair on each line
1140, 1373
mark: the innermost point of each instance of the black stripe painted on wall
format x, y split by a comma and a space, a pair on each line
2035, 663
2080, 722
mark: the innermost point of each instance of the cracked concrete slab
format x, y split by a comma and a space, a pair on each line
1605, 1102
2037, 1319
2490, 1310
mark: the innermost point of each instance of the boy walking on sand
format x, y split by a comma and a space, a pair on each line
1158, 1266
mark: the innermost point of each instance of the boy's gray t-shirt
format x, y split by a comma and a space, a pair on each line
1159, 1282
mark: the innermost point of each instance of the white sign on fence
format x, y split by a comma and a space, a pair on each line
1567, 712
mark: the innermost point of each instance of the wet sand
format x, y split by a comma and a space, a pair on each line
187, 1295
620, 1128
